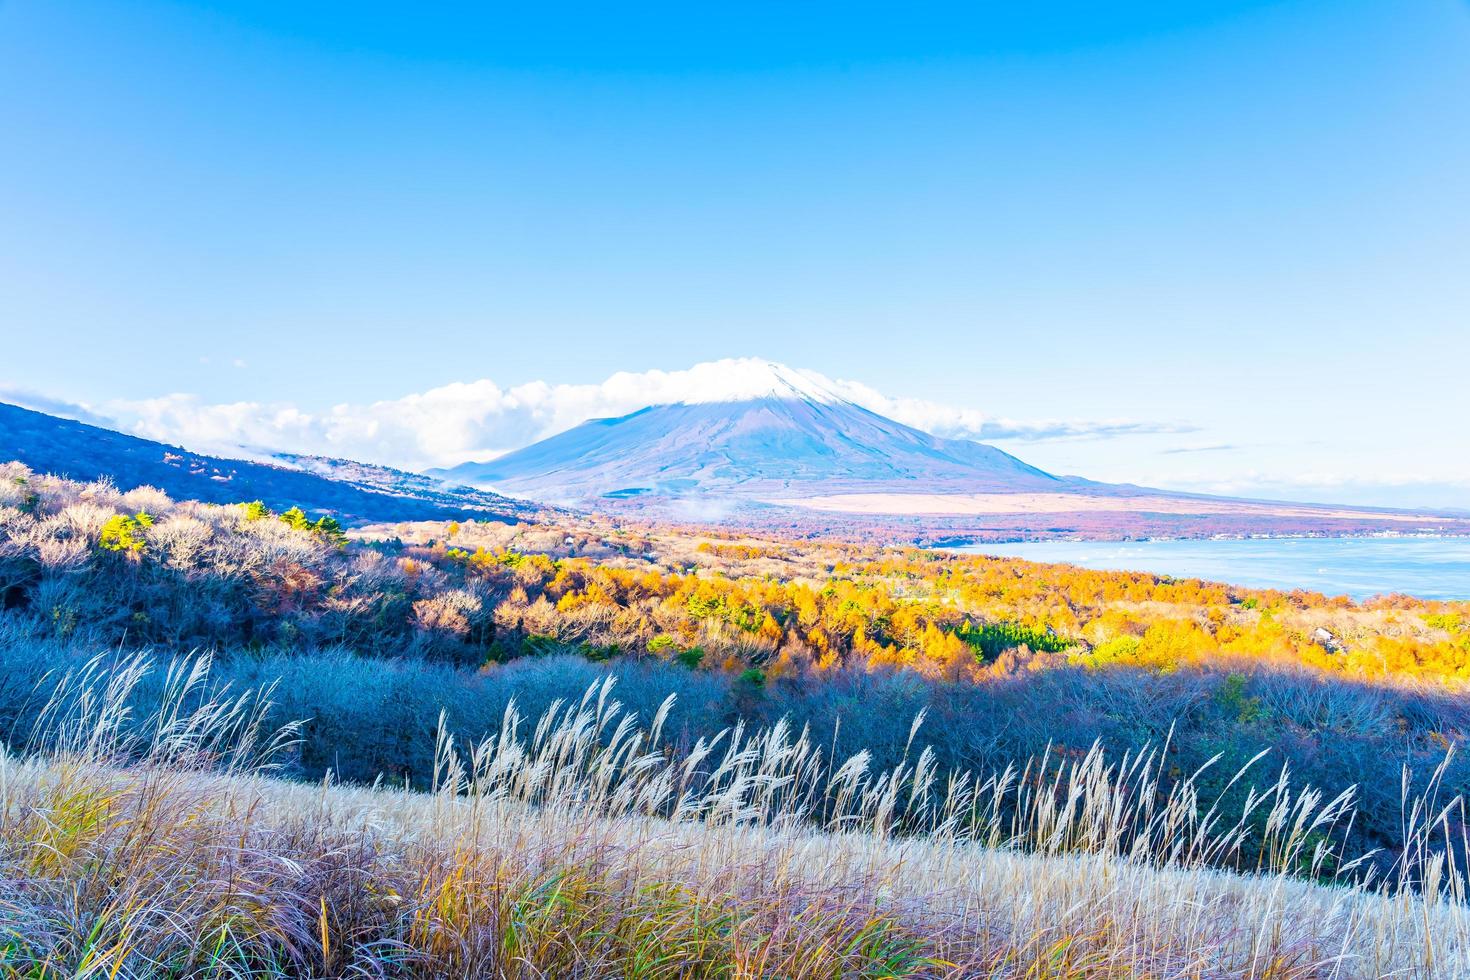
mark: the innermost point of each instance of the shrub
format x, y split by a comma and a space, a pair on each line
124, 533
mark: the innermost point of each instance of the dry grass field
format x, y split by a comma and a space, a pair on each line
158, 844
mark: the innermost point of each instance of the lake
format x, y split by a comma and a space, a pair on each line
1428, 567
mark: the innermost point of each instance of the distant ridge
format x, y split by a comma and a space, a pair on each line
352, 492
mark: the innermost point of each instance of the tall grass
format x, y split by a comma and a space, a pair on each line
582, 844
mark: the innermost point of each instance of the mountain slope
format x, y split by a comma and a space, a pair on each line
350, 491
793, 438
773, 448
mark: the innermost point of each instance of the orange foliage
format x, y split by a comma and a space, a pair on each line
833, 605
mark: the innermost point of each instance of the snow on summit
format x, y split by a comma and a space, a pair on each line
752, 378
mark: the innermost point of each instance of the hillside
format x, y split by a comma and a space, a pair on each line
758, 757
401, 621
350, 491
533, 857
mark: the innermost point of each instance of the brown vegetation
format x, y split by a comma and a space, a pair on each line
582, 847
382, 640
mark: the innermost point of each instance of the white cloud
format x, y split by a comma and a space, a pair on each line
480, 420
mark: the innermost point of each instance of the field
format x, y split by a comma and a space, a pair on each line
243, 742
578, 847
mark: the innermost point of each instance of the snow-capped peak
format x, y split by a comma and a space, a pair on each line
754, 378
747, 426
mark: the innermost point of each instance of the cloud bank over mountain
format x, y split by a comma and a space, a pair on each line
479, 420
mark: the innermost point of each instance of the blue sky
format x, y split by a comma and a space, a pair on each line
1243, 228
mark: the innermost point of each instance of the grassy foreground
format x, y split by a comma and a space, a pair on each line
159, 845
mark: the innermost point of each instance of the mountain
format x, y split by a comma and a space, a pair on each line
353, 492
788, 435
781, 450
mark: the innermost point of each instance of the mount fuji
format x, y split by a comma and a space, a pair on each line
762, 444
769, 431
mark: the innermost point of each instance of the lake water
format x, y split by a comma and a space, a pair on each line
1428, 567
